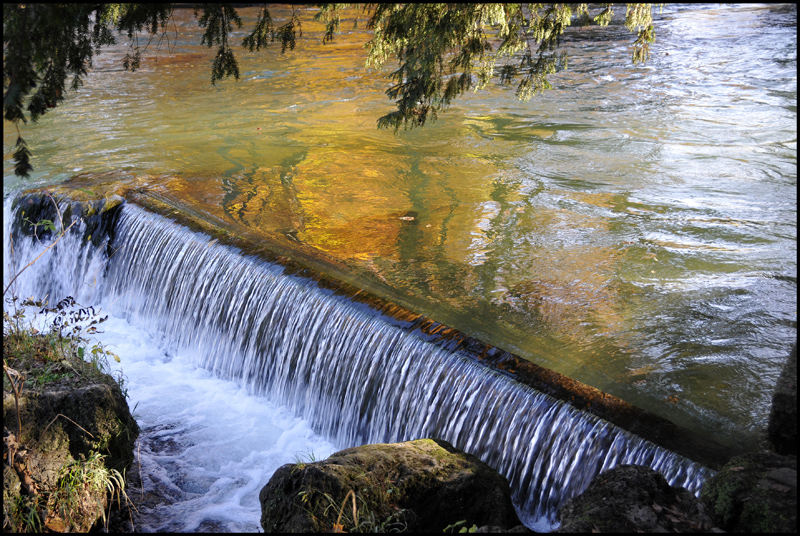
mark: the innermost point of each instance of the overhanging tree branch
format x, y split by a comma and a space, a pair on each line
442, 50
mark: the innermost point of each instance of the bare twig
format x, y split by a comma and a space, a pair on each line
58, 211
70, 420
139, 456
120, 296
13, 255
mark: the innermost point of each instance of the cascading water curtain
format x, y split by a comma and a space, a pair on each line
357, 377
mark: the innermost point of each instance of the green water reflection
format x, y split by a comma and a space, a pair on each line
634, 229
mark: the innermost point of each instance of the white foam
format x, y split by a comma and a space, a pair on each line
206, 445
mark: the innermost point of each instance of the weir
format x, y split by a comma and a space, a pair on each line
357, 373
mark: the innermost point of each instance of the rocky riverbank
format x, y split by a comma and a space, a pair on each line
76, 428
68, 436
429, 486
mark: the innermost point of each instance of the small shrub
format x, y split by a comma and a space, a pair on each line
63, 351
81, 494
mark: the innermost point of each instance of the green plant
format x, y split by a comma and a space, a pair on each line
69, 324
82, 489
49, 225
63, 350
462, 530
303, 458
321, 507
50, 374
21, 514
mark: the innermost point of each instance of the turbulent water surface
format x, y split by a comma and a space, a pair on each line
634, 228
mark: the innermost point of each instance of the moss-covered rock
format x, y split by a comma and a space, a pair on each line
415, 486
57, 466
755, 492
633, 498
70, 422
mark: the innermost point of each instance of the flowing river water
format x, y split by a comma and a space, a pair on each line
634, 229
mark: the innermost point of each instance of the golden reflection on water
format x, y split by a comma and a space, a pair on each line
355, 207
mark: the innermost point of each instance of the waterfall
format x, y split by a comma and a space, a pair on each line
355, 374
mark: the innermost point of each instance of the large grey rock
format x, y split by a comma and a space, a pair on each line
416, 486
755, 492
633, 498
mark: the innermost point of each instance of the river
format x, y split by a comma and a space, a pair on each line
635, 228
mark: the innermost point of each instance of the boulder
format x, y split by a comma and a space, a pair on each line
416, 486
83, 432
65, 423
633, 498
754, 492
